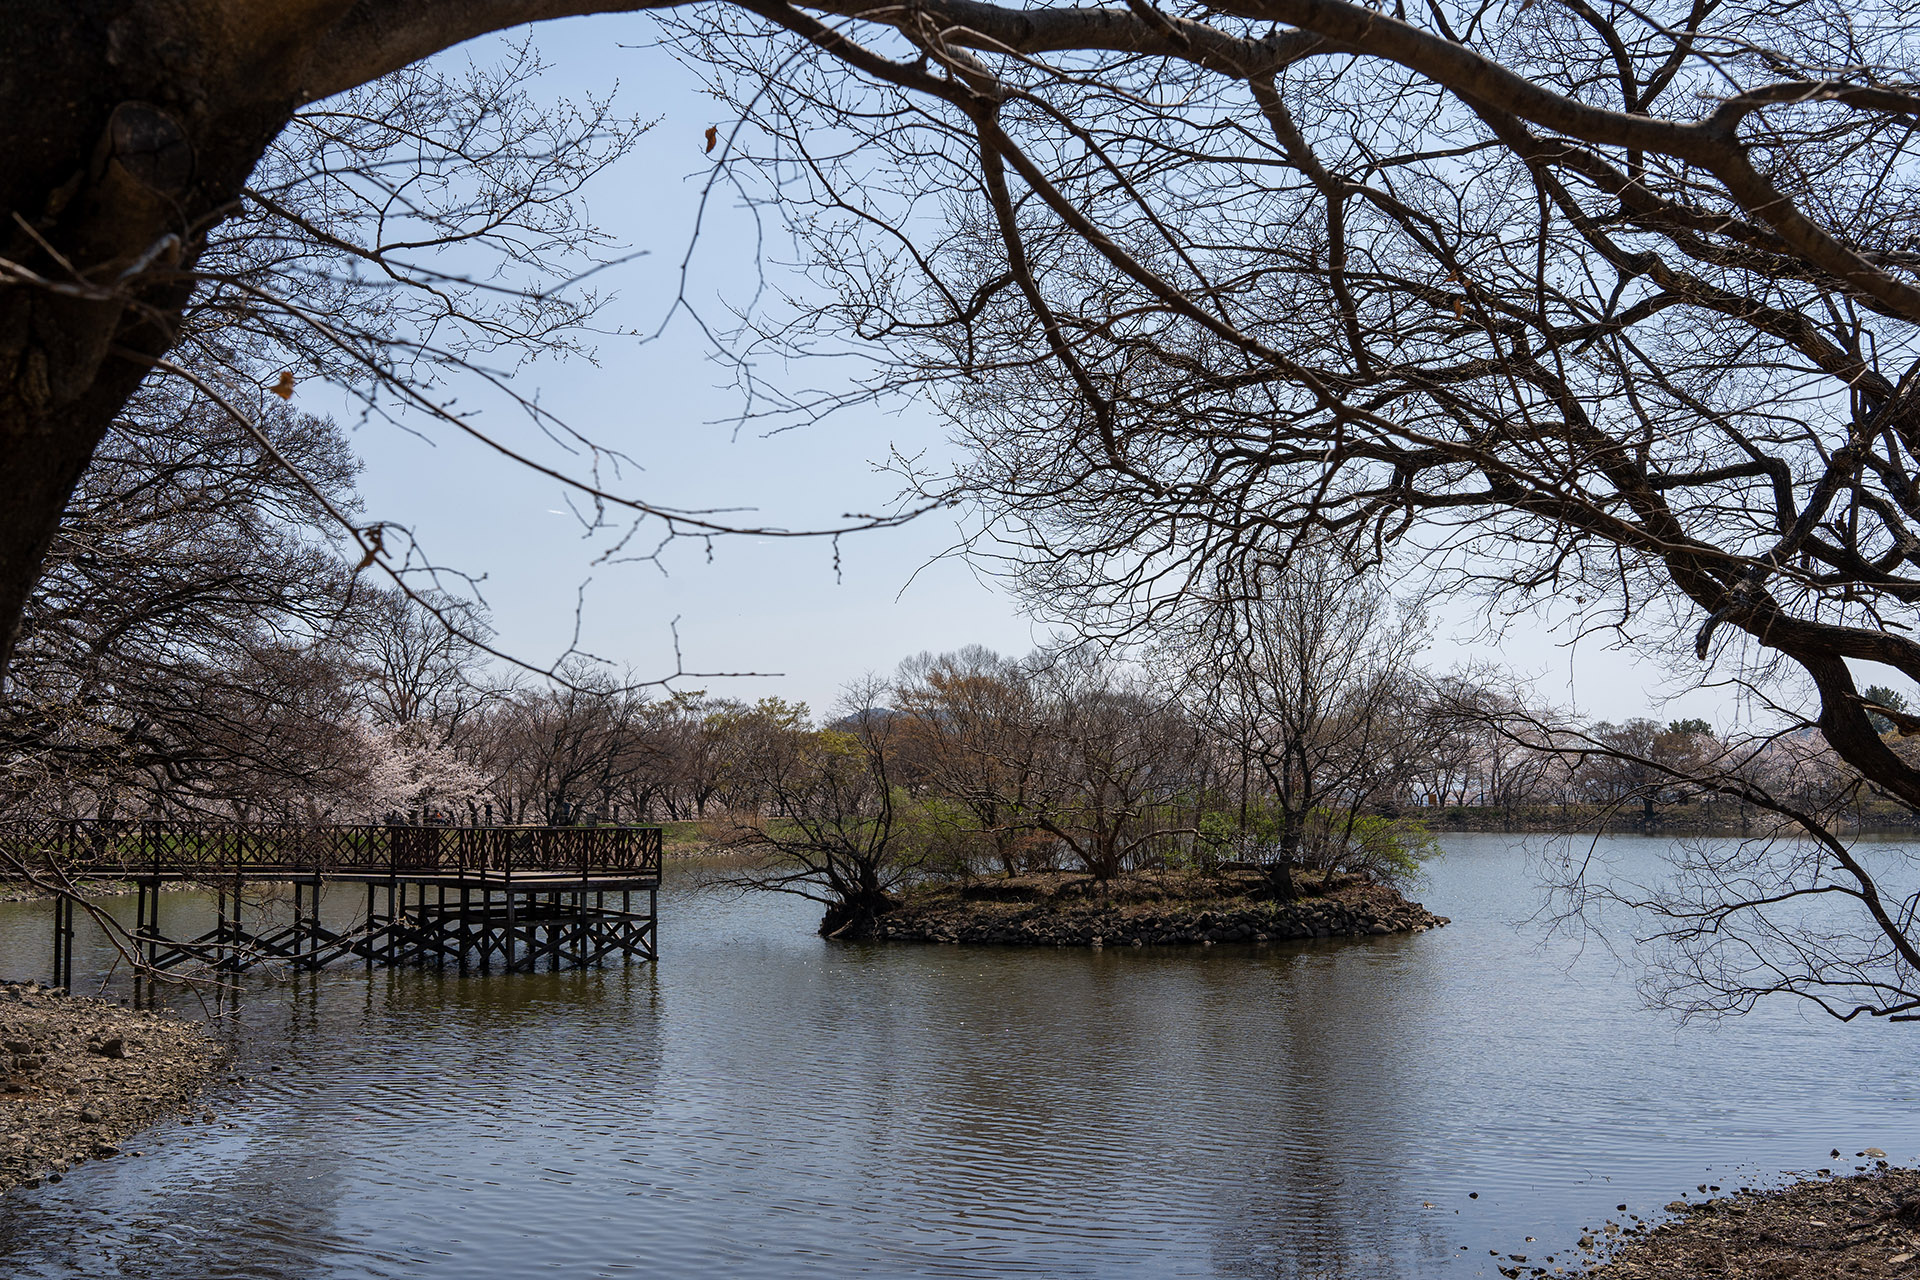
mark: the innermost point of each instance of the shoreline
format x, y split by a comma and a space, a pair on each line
1147, 908
88, 889
1862, 1224
79, 1076
1671, 821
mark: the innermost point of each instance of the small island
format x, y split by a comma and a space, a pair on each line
1150, 908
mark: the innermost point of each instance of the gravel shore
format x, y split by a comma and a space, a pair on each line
1817, 1229
78, 1076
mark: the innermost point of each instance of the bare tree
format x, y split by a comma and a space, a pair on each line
747, 747
1120, 763
414, 669
241, 195
1755, 141
1610, 306
185, 648
980, 744
560, 752
1309, 672
697, 738
835, 829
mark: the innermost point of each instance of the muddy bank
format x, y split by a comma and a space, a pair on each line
79, 1076
1865, 1225
1148, 909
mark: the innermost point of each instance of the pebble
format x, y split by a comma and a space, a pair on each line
86, 1073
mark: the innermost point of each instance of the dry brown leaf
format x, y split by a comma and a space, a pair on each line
713, 137
374, 541
284, 387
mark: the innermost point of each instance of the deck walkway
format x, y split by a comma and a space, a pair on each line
471, 897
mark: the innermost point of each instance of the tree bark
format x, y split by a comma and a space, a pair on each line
853, 919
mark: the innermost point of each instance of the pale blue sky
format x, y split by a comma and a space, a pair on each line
764, 605
756, 605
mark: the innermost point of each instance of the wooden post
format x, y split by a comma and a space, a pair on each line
59, 919
240, 938
507, 949
482, 928
313, 924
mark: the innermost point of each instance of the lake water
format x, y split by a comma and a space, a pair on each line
764, 1103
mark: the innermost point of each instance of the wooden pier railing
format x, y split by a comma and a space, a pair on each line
257, 851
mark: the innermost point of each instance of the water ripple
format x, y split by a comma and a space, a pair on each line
765, 1104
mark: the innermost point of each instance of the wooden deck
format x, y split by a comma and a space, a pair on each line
474, 898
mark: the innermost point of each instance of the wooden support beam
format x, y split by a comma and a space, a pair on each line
568, 923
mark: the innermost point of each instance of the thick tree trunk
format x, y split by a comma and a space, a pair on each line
853, 919
1280, 880
1280, 870
126, 143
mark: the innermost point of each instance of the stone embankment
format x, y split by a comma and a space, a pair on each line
1145, 909
78, 1076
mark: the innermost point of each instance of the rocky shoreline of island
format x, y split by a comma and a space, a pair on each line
1149, 908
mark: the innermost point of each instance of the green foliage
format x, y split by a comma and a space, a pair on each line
1689, 727
942, 832
1230, 834
1389, 849
1217, 831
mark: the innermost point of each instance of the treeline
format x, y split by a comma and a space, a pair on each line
195, 649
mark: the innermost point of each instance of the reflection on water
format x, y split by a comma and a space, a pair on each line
764, 1103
